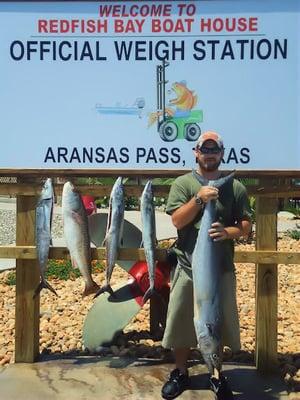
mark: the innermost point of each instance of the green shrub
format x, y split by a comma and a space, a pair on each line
294, 234
11, 278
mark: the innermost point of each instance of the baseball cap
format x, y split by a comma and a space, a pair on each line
210, 135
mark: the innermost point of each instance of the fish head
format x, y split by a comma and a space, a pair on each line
210, 346
70, 197
147, 194
47, 190
117, 192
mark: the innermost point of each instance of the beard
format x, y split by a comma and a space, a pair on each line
209, 166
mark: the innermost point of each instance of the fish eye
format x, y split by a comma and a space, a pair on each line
214, 356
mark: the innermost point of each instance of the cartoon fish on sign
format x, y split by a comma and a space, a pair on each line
186, 99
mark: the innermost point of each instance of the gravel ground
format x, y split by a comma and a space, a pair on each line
62, 318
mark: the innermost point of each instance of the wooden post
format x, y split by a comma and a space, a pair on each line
27, 279
266, 286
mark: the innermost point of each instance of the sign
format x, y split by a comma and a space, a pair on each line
131, 85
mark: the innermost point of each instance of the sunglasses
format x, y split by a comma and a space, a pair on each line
209, 150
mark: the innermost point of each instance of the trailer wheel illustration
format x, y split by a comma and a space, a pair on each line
175, 122
168, 131
192, 132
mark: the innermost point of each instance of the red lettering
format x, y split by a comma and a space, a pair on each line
253, 24
42, 26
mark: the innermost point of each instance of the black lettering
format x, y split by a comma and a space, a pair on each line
164, 156
263, 49
280, 48
49, 155
87, 154
86, 51
62, 153
100, 156
124, 155
151, 155
123, 50
75, 155
227, 51
198, 44
17, 47
175, 152
246, 156
232, 156
140, 153
112, 155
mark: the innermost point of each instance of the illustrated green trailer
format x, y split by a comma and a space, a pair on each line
180, 125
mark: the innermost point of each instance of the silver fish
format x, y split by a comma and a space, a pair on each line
206, 267
149, 235
114, 231
76, 234
43, 221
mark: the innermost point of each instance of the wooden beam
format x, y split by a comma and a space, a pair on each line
266, 287
57, 253
93, 172
15, 189
27, 279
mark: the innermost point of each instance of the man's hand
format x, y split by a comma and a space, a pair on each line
218, 232
208, 193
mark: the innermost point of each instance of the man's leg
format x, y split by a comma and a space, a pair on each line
181, 357
179, 378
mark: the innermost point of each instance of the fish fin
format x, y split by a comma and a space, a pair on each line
105, 288
195, 98
90, 289
43, 285
104, 241
74, 263
199, 178
221, 181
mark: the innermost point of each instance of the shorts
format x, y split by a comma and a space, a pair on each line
180, 331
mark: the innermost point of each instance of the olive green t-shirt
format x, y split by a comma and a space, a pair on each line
232, 206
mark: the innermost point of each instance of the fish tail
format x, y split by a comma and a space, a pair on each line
90, 288
44, 285
149, 293
105, 288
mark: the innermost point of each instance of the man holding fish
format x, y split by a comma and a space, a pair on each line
209, 211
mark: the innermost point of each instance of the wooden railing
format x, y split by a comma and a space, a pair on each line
265, 256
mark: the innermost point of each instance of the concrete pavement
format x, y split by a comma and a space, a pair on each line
91, 378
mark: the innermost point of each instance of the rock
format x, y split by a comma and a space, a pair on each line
286, 215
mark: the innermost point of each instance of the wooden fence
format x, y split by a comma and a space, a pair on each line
266, 257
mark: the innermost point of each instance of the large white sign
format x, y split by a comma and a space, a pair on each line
132, 84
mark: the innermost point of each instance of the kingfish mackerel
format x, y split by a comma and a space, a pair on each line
77, 237
149, 235
114, 231
43, 220
206, 267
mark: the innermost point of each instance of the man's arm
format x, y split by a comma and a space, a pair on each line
185, 214
241, 229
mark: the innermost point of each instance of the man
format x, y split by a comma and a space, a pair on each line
186, 202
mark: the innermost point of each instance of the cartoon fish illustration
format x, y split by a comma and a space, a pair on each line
186, 99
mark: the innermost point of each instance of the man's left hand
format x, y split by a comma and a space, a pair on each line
218, 232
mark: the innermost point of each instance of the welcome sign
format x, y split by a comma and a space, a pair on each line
131, 85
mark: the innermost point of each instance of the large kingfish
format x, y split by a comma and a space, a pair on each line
149, 235
206, 267
43, 221
114, 231
76, 234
